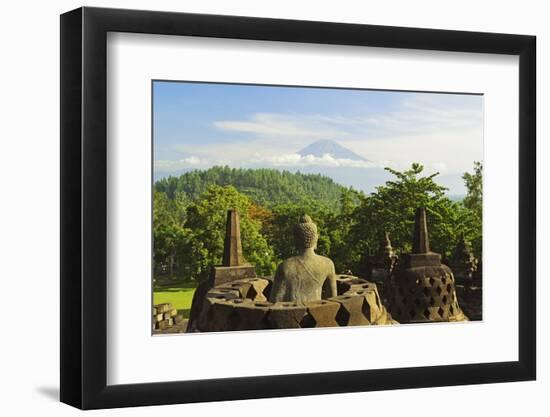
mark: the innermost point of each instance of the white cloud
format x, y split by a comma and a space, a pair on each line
417, 113
297, 160
439, 166
443, 132
165, 165
192, 160
258, 160
281, 125
449, 151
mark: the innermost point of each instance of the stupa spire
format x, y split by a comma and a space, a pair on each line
462, 245
386, 242
421, 243
232, 249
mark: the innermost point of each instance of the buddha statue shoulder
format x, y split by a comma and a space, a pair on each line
307, 276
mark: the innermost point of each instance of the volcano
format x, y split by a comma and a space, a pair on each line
330, 147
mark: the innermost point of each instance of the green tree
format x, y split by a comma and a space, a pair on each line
266, 187
392, 208
168, 232
474, 185
189, 229
333, 225
474, 203
340, 227
205, 221
285, 217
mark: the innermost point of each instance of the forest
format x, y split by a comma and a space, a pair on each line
189, 214
266, 187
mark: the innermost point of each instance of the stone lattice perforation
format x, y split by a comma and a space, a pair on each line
429, 298
256, 289
243, 305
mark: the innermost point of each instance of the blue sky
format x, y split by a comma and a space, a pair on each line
198, 125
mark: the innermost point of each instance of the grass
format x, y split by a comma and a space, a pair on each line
180, 297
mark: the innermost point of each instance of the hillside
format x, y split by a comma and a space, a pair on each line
267, 187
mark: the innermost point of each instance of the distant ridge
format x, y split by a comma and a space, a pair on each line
332, 148
264, 186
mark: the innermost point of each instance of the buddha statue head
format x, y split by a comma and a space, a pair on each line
305, 233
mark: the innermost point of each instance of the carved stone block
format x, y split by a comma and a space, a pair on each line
321, 313
350, 312
224, 274
218, 317
250, 315
286, 315
163, 308
257, 288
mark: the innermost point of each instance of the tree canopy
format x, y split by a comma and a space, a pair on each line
474, 202
392, 207
190, 212
266, 187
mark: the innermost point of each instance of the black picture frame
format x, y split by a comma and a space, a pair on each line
84, 207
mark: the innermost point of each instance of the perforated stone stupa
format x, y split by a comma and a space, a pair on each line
380, 265
422, 289
463, 262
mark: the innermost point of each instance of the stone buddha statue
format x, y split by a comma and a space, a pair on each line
307, 276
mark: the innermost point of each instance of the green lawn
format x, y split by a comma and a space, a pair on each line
179, 297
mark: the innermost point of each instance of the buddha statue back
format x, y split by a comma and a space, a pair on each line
307, 276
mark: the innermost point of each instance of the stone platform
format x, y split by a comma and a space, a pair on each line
243, 305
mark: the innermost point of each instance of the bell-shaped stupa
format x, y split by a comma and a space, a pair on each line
422, 289
380, 265
463, 262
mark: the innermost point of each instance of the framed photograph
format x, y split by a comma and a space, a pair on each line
257, 207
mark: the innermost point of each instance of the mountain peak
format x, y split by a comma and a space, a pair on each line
327, 146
